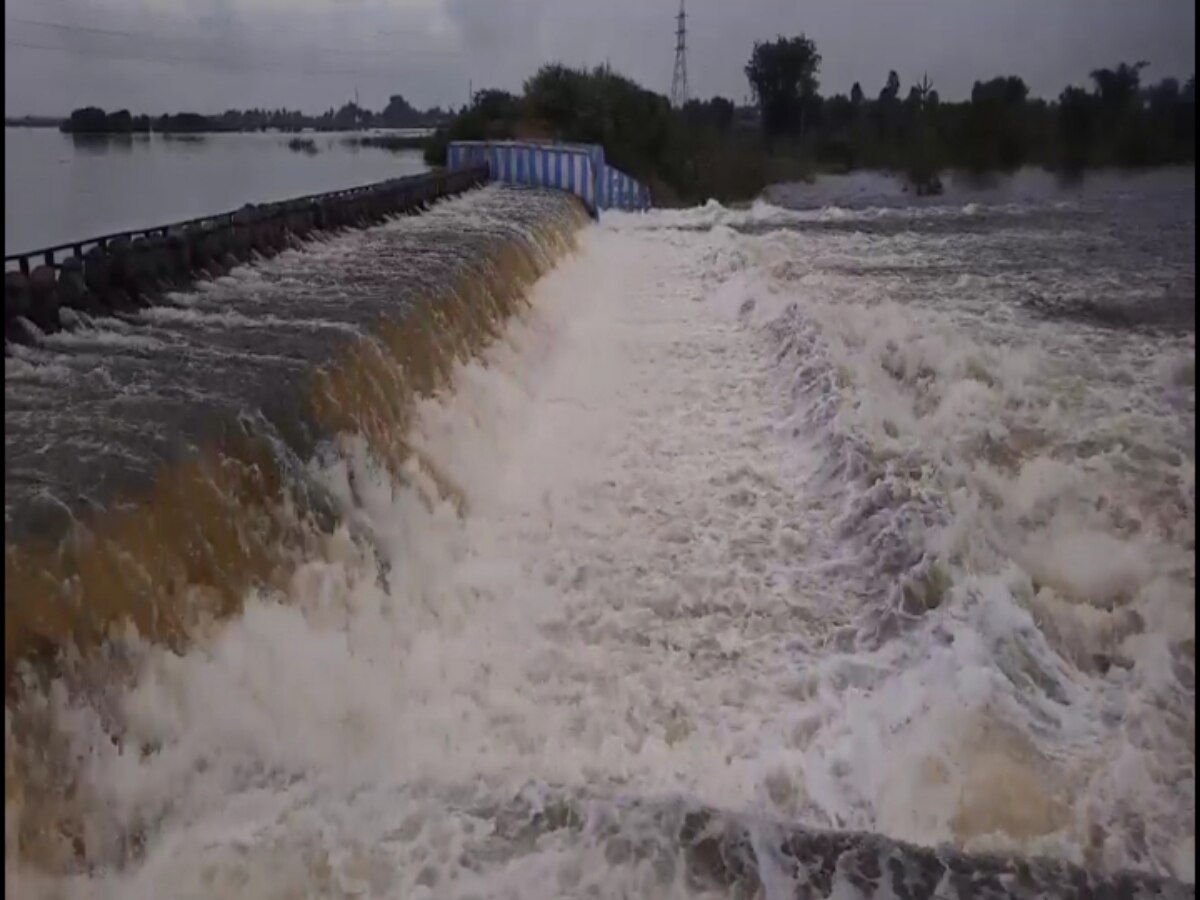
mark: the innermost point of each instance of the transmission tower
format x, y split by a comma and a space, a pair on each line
679, 85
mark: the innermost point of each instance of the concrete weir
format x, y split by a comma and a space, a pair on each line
128, 271
160, 459
157, 439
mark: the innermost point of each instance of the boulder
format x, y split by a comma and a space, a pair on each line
179, 256
43, 299
120, 264
16, 307
217, 241
142, 279
72, 289
16, 296
158, 259
97, 272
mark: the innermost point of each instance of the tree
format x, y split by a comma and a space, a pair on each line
556, 95
721, 113
87, 120
886, 112
995, 129
716, 113
924, 152
350, 117
1007, 91
120, 122
1118, 93
399, 113
496, 104
1075, 126
783, 77
856, 94
1118, 88
493, 114
891, 90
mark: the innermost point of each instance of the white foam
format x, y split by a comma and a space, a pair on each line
658, 588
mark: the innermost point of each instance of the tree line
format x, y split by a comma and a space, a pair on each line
1117, 120
398, 113
716, 149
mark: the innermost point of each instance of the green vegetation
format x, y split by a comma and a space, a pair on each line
684, 156
93, 120
1119, 122
350, 117
303, 145
713, 150
393, 142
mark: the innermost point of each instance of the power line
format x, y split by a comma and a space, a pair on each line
224, 63
57, 25
115, 32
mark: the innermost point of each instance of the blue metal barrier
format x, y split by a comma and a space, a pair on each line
577, 168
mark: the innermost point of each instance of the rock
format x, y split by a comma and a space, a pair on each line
120, 265
197, 249
243, 224
43, 299
72, 289
97, 272
142, 281
179, 256
216, 240
16, 296
158, 258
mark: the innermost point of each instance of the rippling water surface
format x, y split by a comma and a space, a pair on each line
60, 188
864, 516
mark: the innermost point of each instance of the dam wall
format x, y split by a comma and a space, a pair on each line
157, 457
126, 271
577, 168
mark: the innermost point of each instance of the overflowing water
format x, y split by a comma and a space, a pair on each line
745, 527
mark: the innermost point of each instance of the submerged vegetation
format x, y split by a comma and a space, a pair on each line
303, 145
712, 149
393, 142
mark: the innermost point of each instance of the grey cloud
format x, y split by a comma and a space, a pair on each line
212, 54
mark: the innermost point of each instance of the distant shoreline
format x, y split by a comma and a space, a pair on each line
95, 120
415, 133
32, 122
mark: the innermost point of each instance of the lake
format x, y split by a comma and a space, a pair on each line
61, 187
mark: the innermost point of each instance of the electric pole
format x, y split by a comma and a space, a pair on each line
679, 83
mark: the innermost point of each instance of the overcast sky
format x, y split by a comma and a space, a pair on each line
208, 55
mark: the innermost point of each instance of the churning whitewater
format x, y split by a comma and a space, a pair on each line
749, 537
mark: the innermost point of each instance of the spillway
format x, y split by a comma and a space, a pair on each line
499, 552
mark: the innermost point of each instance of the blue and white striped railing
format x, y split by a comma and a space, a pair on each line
577, 168
622, 192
